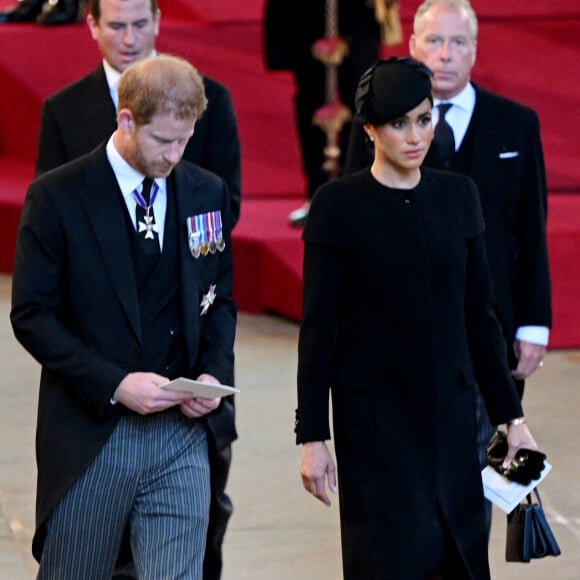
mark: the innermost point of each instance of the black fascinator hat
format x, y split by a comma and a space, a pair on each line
391, 88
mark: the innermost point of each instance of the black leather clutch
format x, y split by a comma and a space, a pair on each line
526, 466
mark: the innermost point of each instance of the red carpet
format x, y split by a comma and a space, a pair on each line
526, 50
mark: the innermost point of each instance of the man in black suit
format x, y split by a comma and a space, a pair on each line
82, 115
497, 143
290, 30
122, 281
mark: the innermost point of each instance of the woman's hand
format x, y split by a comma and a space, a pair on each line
317, 468
518, 436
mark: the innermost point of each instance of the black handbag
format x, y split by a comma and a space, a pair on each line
528, 533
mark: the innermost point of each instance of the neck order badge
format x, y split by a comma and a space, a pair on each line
145, 200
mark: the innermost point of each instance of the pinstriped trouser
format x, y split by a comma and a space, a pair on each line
153, 472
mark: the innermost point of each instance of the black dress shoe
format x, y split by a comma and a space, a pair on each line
61, 12
24, 11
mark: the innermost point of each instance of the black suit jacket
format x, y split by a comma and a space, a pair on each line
290, 29
502, 153
75, 307
82, 115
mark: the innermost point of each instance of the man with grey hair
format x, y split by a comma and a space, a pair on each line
114, 298
496, 142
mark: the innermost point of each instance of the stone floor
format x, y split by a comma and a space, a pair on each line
278, 531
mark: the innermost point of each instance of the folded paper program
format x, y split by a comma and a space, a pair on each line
506, 494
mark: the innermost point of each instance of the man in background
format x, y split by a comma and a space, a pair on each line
82, 115
497, 143
290, 30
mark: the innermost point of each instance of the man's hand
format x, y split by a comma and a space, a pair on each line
317, 467
142, 393
530, 356
199, 406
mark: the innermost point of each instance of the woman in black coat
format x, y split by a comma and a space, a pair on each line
398, 323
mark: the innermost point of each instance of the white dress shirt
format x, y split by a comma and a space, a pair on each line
459, 115
113, 77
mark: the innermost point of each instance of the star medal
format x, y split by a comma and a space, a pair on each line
207, 300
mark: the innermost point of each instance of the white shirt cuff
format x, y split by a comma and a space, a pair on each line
534, 334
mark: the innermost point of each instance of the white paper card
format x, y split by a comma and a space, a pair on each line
200, 389
504, 493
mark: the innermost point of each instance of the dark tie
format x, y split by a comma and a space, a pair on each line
148, 237
443, 138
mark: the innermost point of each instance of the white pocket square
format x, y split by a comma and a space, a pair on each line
508, 154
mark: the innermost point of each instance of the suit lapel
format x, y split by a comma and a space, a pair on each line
185, 193
102, 199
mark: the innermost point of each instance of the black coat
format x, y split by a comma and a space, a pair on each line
75, 307
82, 116
502, 153
398, 310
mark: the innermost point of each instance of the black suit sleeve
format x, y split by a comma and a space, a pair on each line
39, 306
532, 295
51, 150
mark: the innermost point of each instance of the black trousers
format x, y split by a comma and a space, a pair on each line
220, 511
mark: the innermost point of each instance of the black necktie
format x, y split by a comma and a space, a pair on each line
148, 236
443, 138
